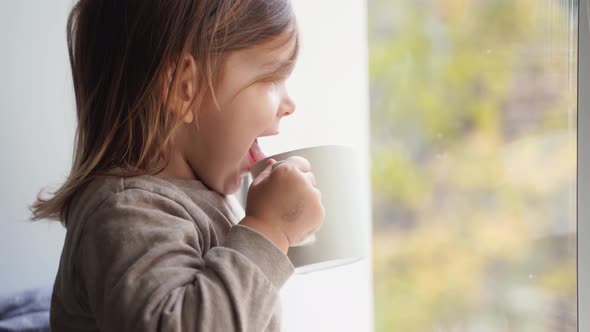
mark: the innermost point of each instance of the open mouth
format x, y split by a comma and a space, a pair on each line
255, 153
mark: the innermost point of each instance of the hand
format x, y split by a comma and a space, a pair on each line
284, 204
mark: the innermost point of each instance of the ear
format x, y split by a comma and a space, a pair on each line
181, 92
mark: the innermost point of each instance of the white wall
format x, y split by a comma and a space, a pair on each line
36, 133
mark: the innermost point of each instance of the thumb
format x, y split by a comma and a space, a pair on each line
265, 173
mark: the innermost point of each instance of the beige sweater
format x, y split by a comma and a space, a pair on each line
147, 254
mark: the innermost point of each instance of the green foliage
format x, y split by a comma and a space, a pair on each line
471, 112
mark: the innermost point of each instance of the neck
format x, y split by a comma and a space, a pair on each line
177, 168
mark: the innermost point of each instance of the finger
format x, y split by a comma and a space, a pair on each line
265, 173
318, 194
277, 164
301, 163
311, 178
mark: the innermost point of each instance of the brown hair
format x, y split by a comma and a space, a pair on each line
120, 51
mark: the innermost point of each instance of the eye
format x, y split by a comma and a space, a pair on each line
273, 80
277, 78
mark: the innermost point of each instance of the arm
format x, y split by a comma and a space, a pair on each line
144, 270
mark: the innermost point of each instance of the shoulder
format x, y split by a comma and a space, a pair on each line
120, 193
111, 204
119, 210
108, 201
119, 216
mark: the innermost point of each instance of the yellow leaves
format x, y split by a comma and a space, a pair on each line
559, 279
540, 164
502, 237
397, 178
452, 11
453, 83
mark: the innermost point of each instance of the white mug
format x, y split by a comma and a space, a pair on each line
342, 237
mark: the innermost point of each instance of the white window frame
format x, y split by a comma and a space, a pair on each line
583, 217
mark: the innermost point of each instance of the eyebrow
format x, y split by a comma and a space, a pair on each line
276, 70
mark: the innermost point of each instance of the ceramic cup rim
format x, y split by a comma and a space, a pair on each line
259, 166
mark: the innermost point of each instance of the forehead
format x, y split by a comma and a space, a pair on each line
267, 55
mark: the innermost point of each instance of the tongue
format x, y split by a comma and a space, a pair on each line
256, 152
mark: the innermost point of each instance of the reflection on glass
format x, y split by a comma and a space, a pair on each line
473, 108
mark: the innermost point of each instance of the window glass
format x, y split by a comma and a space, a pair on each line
473, 135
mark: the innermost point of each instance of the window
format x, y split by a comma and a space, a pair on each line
473, 135
583, 167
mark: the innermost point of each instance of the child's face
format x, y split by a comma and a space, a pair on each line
219, 152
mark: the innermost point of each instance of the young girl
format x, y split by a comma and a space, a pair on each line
171, 98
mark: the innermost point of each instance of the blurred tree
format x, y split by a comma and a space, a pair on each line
473, 154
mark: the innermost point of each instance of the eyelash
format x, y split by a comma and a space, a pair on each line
277, 79
275, 82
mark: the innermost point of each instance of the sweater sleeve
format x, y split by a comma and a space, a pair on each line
144, 269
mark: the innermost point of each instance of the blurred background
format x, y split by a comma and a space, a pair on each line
473, 150
37, 124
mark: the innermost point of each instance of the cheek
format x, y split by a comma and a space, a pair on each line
255, 110
268, 104
274, 96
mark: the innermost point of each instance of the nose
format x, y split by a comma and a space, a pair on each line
287, 106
